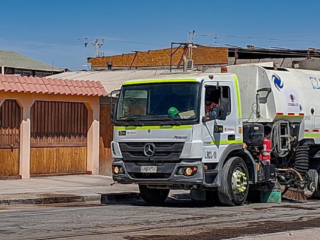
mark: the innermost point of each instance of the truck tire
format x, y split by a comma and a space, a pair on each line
153, 196
234, 186
316, 180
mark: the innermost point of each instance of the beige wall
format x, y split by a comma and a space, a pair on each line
26, 101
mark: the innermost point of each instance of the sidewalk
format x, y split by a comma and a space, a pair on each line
62, 189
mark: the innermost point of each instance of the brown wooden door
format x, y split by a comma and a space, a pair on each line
106, 135
10, 120
58, 138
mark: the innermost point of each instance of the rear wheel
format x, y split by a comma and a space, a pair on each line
234, 186
314, 174
153, 196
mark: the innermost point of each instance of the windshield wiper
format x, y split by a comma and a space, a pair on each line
173, 121
132, 119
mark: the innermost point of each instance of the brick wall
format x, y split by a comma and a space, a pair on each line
161, 57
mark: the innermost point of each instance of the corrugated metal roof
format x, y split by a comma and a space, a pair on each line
17, 60
9, 83
111, 80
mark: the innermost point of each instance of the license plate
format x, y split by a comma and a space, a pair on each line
148, 169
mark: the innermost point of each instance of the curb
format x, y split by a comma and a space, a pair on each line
51, 200
99, 198
118, 197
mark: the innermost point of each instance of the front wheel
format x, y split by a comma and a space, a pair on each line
153, 196
234, 186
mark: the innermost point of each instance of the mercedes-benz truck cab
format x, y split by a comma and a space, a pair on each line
164, 139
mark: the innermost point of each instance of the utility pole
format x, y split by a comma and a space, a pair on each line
191, 36
97, 44
190, 45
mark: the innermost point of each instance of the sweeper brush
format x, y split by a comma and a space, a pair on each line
295, 195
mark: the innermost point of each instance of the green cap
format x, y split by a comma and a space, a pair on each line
173, 111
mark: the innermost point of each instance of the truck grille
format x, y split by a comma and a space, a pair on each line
164, 152
151, 175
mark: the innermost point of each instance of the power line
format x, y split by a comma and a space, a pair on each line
47, 44
41, 45
258, 38
283, 34
51, 46
140, 43
99, 42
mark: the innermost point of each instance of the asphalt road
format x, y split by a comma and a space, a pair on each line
134, 220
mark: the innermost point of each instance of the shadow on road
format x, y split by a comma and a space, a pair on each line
173, 201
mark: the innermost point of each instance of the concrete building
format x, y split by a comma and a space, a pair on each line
163, 58
202, 57
13, 63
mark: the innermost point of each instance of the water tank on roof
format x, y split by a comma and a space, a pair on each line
109, 64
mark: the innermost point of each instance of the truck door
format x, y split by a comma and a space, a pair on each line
219, 133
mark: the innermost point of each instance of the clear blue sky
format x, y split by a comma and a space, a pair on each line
54, 30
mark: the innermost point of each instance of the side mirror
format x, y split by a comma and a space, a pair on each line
262, 100
113, 111
224, 108
114, 94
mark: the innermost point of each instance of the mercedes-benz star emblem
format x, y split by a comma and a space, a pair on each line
149, 149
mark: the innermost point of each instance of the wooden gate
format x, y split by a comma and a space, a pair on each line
106, 135
10, 120
58, 138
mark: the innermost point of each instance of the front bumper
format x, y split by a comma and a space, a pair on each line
167, 170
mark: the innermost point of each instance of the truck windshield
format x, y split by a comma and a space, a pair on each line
165, 102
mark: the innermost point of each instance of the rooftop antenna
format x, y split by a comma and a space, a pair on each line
191, 36
97, 44
191, 45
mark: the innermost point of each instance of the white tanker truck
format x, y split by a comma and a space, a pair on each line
264, 137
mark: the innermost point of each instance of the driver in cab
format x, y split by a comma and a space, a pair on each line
212, 108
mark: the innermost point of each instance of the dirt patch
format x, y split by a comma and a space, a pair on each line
256, 228
69, 205
287, 206
50, 195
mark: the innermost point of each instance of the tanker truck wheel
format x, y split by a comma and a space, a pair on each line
153, 196
234, 186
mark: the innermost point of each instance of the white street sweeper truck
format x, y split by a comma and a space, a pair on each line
231, 134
